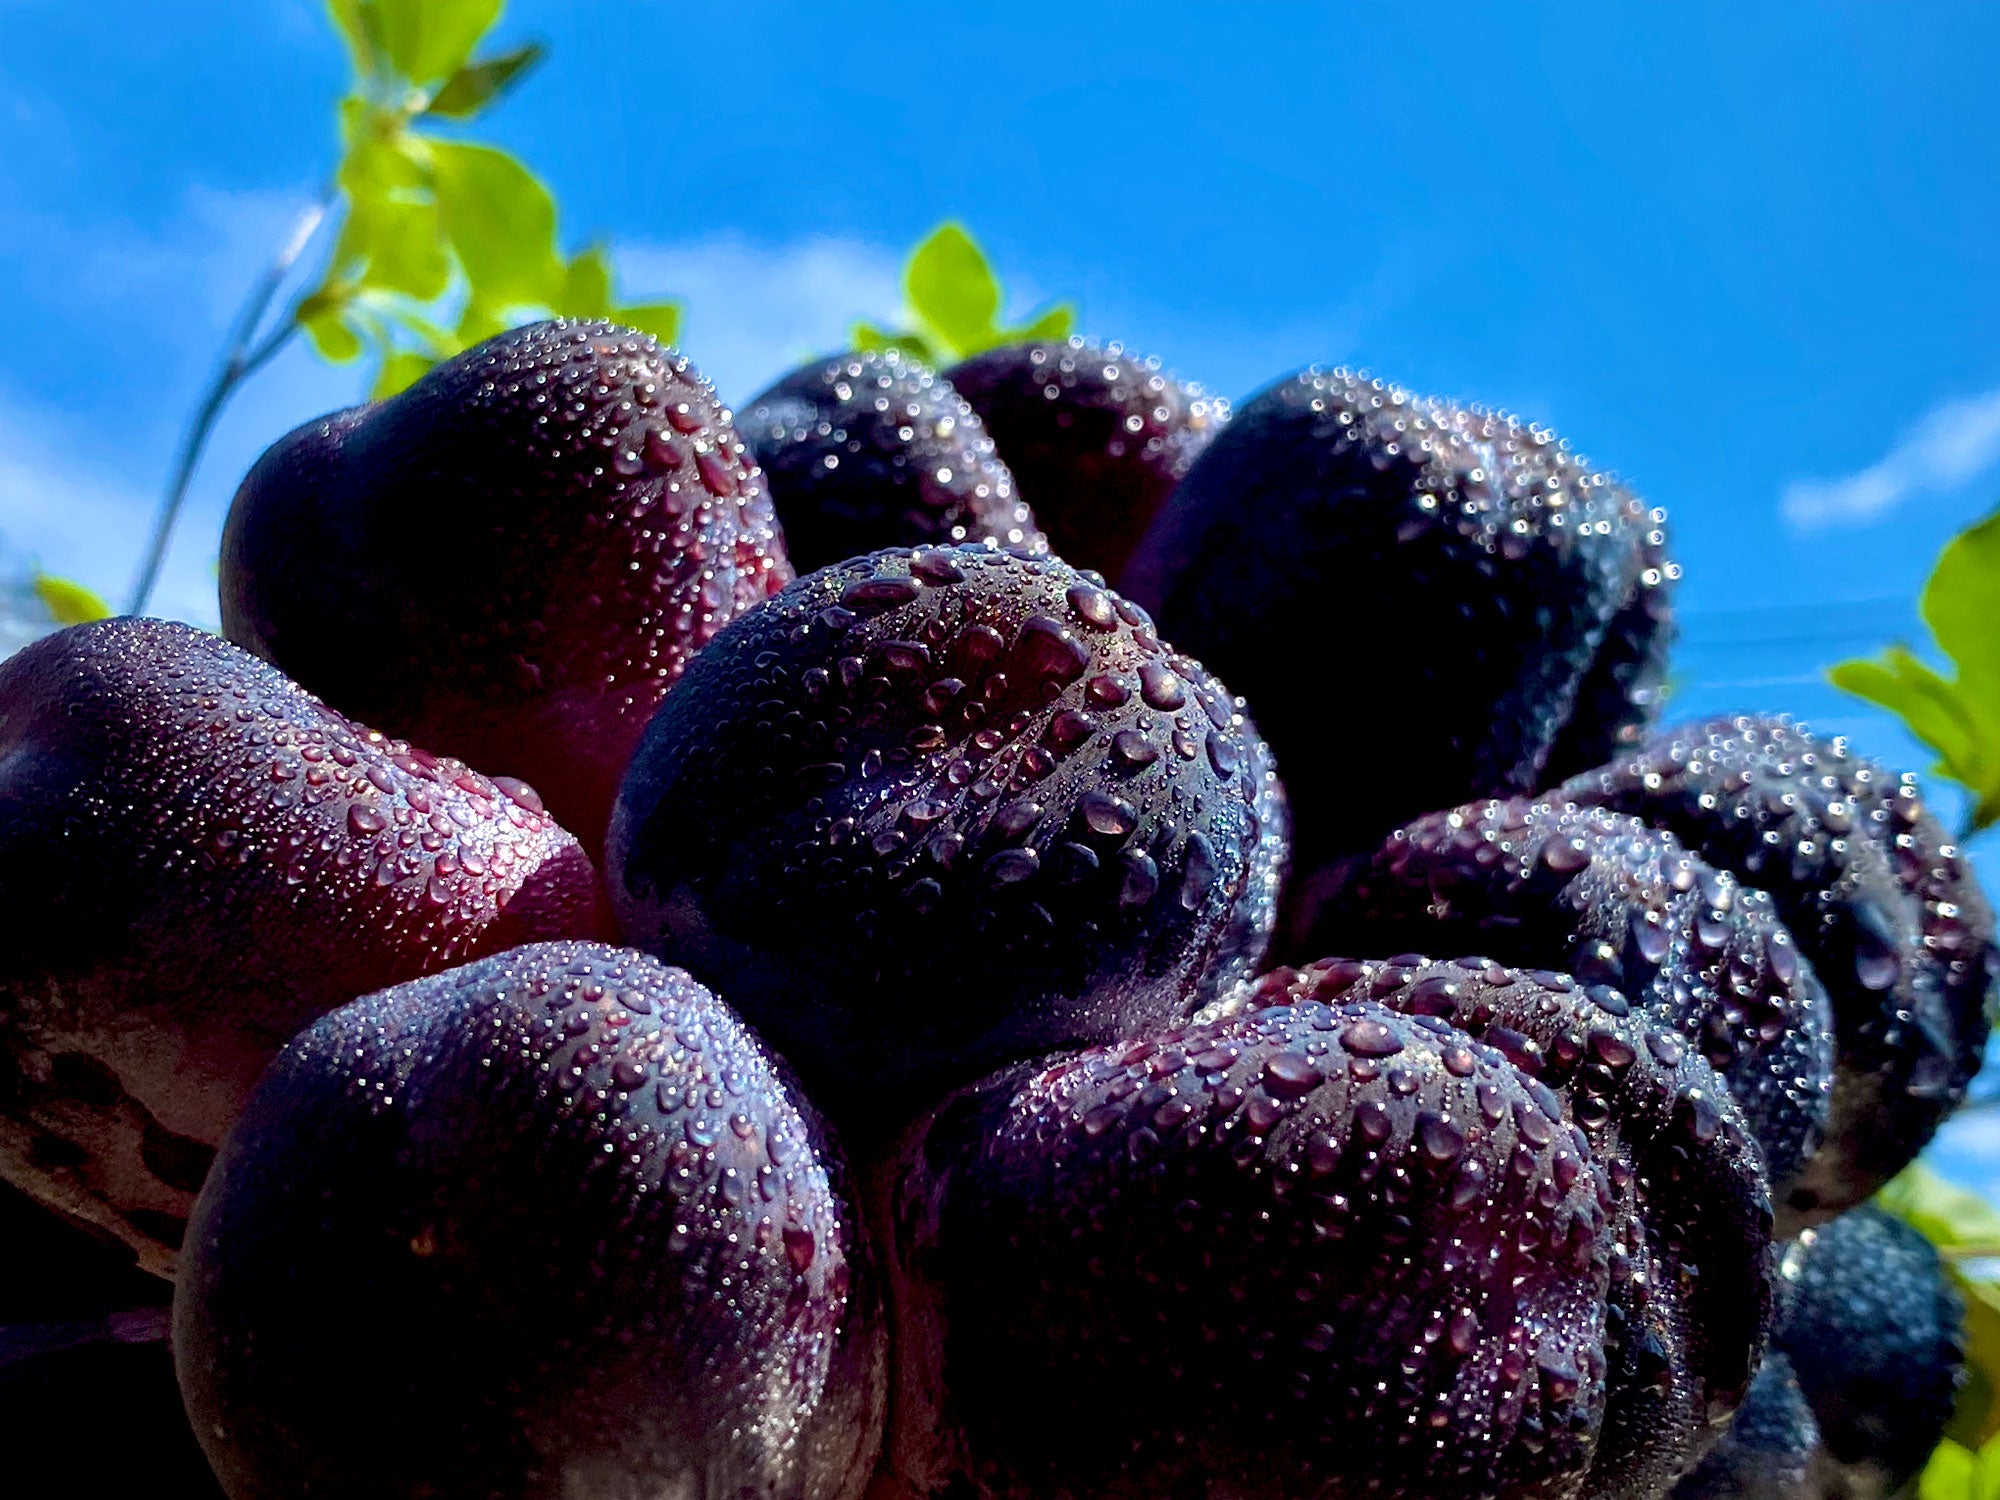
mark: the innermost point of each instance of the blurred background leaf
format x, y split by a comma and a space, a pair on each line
68, 602
442, 242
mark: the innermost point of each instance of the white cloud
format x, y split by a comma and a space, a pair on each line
755, 311
1953, 443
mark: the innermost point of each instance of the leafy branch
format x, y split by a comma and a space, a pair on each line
1958, 717
442, 242
954, 301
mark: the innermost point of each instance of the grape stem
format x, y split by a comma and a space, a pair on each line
242, 357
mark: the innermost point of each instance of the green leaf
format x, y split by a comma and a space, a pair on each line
661, 319
1949, 1216
399, 372
325, 324
586, 291
476, 324
361, 28
951, 287
1959, 718
1975, 1417
478, 84
1051, 327
69, 602
1928, 704
501, 222
430, 39
395, 245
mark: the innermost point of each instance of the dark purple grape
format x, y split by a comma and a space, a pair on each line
547, 1225
1878, 896
1413, 594
196, 859
871, 450
929, 812
512, 560
1397, 1229
1096, 438
1605, 898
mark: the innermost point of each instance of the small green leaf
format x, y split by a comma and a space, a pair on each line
1949, 1474
1927, 703
501, 222
361, 28
478, 84
1051, 327
951, 287
661, 319
476, 324
69, 602
399, 372
586, 291
394, 245
1947, 1215
326, 325
430, 39
1959, 718
869, 336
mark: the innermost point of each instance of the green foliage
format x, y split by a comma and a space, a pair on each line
1959, 718
954, 305
1965, 1227
69, 602
1956, 1472
444, 241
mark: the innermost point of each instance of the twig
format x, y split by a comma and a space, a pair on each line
240, 360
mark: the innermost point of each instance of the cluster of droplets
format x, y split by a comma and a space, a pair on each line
235, 780
1162, 421
686, 1212
1611, 900
1096, 438
873, 449
1875, 891
252, 859
591, 408
923, 755
1510, 484
1344, 1194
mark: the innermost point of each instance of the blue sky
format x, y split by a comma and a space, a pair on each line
1745, 255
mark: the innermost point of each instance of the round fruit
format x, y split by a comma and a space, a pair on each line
1612, 901
1096, 439
1411, 594
873, 450
547, 1225
512, 560
928, 812
1879, 897
196, 859
1393, 1229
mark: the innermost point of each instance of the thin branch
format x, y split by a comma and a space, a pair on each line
239, 361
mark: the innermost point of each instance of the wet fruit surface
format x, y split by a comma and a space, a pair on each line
197, 858
546, 1225
873, 450
1096, 438
1877, 895
1609, 900
512, 560
932, 811
1402, 1228
1874, 1331
1413, 593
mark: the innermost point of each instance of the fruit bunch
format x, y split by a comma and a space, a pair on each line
868, 1024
